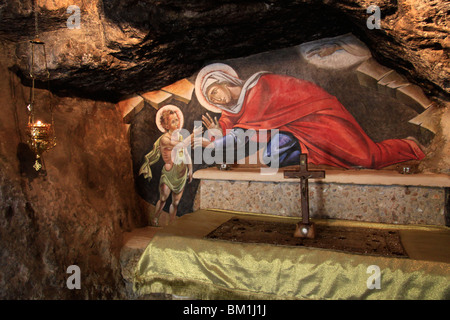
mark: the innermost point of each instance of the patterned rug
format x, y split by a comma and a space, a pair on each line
371, 241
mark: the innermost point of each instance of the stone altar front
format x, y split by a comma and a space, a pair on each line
370, 195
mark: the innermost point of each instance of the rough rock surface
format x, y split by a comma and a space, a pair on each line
414, 38
123, 47
77, 213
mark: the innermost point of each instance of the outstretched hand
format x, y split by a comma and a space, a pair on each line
197, 131
195, 135
210, 123
212, 126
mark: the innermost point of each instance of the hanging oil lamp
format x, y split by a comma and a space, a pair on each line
41, 136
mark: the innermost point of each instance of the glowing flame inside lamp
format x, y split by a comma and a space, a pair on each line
40, 139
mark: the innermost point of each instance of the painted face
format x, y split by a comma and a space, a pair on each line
219, 94
172, 122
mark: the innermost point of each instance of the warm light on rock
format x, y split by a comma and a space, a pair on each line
114, 64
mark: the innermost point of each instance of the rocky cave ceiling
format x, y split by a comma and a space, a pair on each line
131, 46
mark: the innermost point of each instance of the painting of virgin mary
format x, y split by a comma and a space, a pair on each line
309, 120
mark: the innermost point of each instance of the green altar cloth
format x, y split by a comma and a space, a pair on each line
180, 261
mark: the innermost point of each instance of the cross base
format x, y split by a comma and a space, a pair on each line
305, 230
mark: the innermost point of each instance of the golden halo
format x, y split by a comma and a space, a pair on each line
202, 74
169, 107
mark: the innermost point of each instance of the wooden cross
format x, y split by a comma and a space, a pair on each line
305, 228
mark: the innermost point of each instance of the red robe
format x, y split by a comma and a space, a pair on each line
327, 132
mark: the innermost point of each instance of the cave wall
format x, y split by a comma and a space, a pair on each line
76, 214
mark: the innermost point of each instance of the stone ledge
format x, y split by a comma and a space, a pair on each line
370, 203
360, 177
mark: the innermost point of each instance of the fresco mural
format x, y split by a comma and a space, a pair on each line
309, 120
327, 98
171, 146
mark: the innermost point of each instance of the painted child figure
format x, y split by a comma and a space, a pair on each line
177, 167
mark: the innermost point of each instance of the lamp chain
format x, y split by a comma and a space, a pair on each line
41, 134
36, 18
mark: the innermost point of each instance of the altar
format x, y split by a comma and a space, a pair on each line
383, 196
178, 260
